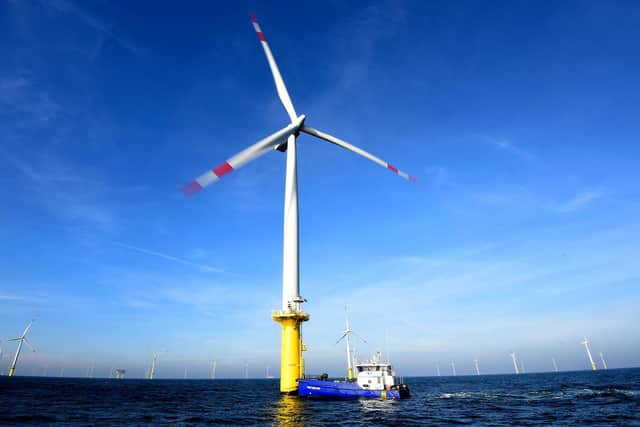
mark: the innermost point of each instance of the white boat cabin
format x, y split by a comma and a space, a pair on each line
375, 375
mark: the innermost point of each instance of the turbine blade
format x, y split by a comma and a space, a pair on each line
353, 148
363, 340
341, 338
277, 77
243, 157
29, 344
26, 330
15, 339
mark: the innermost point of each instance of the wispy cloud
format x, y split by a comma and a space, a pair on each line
69, 7
508, 146
580, 201
202, 267
57, 186
19, 93
11, 297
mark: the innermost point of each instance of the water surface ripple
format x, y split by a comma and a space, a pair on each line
568, 398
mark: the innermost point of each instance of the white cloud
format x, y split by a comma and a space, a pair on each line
201, 267
70, 7
508, 146
580, 200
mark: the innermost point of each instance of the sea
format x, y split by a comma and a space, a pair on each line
601, 398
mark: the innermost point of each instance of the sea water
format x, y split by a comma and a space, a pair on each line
567, 398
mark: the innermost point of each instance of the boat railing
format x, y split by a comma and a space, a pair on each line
322, 377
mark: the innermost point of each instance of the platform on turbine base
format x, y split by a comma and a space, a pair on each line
278, 315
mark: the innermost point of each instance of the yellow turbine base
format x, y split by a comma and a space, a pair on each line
11, 370
350, 373
291, 361
593, 367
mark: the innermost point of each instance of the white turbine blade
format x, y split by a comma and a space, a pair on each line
353, 148
363, 340
243, 157
26, 330
15, 339
277, 77
342, 337
29, 344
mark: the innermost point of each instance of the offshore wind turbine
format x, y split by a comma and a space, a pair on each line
213, 369
586, 346
346, 334
290, 316
152, 370
438, 368
515, 364
475, 361
555, 367
453, 368
604, 364
21, 339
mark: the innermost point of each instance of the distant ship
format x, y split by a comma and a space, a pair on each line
374, 379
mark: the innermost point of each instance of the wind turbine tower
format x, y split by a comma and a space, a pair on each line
21, 339
475, 361
515, 364
354, 356
290, 316
213, 369
453, 368
555, 367
346, 335
586, 346
438, 368
604, 364
152, 370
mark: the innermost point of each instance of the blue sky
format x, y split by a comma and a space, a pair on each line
518, 118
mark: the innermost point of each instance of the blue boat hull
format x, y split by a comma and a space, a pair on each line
339, 389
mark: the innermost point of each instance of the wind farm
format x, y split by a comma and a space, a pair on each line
514, 248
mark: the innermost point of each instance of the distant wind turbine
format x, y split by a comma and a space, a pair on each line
453, 368
438, 368
21, 339
152, 370
522, 370
475, 361
586, 346
604, 364
515, 364
555, 367
346, 333
213, 369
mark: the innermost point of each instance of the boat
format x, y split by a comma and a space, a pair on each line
374, 380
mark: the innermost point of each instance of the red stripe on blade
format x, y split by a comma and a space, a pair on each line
261, 37
412, 179
253, 17
192, 187
223, 169
392, 168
